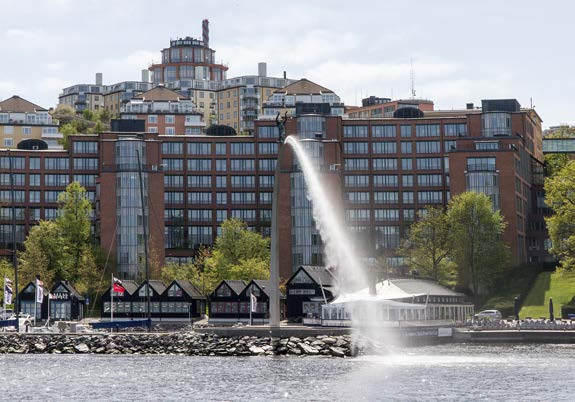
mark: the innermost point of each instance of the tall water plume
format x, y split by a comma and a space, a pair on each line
338, 247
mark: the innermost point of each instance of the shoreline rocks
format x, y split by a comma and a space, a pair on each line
180, 343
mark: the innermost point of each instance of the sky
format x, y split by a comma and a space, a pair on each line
461, 51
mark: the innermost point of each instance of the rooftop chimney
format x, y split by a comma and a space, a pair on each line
145, 75
285, 75
98, 78
262, 69
206, 33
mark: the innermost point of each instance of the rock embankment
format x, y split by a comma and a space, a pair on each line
192, 344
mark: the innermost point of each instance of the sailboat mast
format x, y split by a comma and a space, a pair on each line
14, 254
145, 239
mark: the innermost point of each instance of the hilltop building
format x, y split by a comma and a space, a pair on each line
22, 120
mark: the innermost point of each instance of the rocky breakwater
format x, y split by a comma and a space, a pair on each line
187, 343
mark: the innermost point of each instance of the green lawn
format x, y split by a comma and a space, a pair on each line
559, 286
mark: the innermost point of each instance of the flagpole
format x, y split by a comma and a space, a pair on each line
36, 302
251, 319
112, 300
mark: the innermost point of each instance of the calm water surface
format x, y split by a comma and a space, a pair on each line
448, 372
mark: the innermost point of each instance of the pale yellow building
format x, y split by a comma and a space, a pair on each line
23, 120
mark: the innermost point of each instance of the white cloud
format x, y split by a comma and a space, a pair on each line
126, 68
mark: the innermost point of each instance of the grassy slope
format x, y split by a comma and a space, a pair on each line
559, 286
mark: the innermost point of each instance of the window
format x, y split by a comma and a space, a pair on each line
495, 124
199, 235
55, 180
355, 148
427, 147
34, 180
203, 197
409, 215
243, 181
268, 165
221, 165
221, 215
200, 215
385, 164
170, 119
386, 214
407, 197
200, 148
427, 130
173, 197
428, 163
242, 165
170, 130
383, 131
268, 132
455, 130
173, 181
34, 163
486, 145
267, 148
386, 237
56, 163
407, 180
388, 180
8, 129
26, 130
266, 181
356, 181
152, 119
18, 179
51, 196
220, 148
243, 198
85, 147
425, 180
34, 196
221, 198
481, 164
265, 198
406, 164
246, 215
199, 165
406, 147
449, 145
362, 215
153, 130
355, 131
86, 163
242, 148
385, 197
405, 131
173, 215
172, 148
430, 197
199, 181
170, 164
221, 181
357, 197
387, 147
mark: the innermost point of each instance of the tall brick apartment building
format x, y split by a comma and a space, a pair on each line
381, 171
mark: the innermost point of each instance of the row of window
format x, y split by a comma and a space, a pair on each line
392, 197
206, 215
221, 165
35, 196
206, 197
50, 163
205, 148
390, 147
391, 180
404, 131
391, 163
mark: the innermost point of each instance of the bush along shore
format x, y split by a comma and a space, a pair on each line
189, 343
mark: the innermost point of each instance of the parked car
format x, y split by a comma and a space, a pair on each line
488, 315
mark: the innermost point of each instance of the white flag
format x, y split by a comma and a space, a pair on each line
254, 303
39, 291
7, 291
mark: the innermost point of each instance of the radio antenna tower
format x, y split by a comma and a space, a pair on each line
412, 74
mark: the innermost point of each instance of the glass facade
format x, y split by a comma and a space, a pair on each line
130, 226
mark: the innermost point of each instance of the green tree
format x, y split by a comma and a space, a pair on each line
74, 222
555, 162
560, 196
240, 253
202, 275
66, 130
88, 114
429, 245
43, 254
477, 248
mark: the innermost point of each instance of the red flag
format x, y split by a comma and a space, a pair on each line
118, 286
